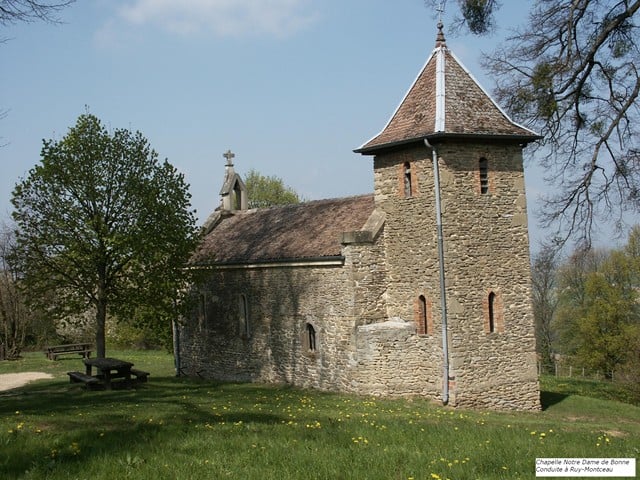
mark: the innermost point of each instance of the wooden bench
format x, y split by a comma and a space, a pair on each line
141, 377
89, 381
54, 351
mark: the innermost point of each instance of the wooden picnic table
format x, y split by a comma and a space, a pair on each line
108, 369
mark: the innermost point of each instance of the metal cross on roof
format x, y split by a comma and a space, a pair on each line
229, 155
440, 10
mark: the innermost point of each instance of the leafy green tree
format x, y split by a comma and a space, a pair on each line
632, 251
609, 329
572, 298
264, 191
571, 73
598, 318
105, 226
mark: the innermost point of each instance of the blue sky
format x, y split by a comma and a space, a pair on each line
290, 86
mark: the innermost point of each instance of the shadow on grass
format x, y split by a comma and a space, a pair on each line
549, 399
47, 397
79, 425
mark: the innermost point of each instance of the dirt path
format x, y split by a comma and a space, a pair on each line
15, 380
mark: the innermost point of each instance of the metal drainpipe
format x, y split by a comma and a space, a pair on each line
443, 290
176, 346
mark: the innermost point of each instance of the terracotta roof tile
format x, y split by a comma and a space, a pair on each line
305, 230
468, 109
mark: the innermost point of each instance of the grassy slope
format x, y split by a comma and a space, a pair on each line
178, 428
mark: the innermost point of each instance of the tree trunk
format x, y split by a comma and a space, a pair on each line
101, 318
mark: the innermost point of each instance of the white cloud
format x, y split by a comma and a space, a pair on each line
222, 17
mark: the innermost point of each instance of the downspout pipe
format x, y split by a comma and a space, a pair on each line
443, 289
176, 347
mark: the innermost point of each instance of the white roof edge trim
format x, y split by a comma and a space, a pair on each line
440, 116
489, 95
403, 99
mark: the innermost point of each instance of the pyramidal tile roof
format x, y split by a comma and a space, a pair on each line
446, 101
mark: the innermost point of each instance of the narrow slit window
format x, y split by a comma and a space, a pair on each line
245, 329
407, 180
202, 310
483, 168
422, 315
491, 312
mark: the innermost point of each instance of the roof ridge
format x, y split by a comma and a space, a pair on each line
309, 202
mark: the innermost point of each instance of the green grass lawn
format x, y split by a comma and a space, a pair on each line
176, 428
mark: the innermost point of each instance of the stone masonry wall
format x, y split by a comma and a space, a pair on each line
335, 300
281, 302
377, 318
486, 250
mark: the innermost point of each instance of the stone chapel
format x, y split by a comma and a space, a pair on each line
421, 288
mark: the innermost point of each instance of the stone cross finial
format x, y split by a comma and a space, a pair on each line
229, 155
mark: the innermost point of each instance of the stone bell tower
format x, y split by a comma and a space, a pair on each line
448, 174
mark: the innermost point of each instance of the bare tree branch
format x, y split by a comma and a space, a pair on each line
16, 11
572, 74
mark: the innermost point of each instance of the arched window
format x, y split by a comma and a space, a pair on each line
310, 338
493, 313
483, 169
243, 316
407, 180
423, 315
237, 196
